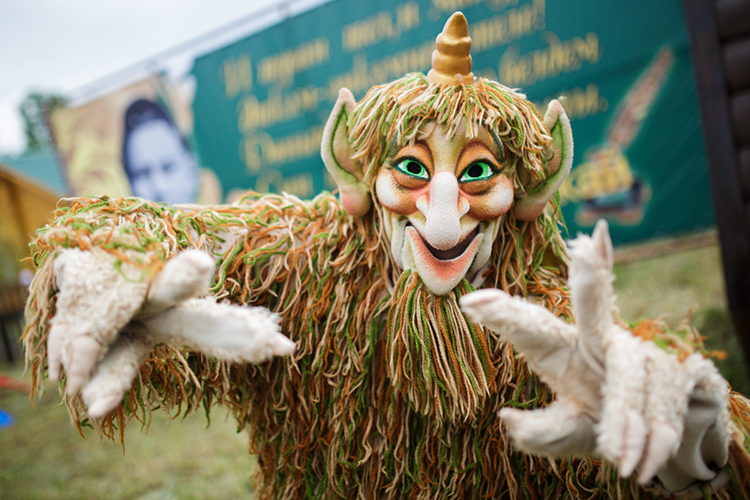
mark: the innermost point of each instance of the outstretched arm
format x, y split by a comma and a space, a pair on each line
619, 397
104, 298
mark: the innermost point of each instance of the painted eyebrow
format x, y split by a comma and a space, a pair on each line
417, 145
496, 163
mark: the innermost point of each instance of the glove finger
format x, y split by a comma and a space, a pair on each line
115, 373
633, 442
79, 357
227, 332
546, 340
54, 349
663, 440
622, 419
561, 429
669, 387
591, 293
187, 275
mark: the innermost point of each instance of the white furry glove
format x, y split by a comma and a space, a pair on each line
618, 397
106, 324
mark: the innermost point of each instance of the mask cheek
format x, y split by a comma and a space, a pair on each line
494, 203
400, 201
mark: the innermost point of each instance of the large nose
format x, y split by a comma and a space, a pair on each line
443, 227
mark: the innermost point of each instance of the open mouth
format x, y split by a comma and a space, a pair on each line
451, 253
442, 270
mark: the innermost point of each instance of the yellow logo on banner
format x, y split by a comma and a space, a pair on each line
607, 171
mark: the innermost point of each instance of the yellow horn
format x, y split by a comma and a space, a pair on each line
451, 62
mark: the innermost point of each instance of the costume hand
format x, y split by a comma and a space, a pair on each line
106, 325
618, 397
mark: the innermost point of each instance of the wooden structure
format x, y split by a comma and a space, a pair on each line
720, 42
12, 302
25, 206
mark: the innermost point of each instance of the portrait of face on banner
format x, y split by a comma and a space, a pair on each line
156, 157
130, 142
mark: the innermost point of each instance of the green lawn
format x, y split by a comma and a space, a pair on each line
43, 457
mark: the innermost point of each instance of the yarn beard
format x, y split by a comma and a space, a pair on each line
435, 358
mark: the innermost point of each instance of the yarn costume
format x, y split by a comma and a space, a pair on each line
353, 413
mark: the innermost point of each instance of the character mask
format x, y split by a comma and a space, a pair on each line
444, 158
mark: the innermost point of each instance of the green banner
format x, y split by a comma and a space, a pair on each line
621, 69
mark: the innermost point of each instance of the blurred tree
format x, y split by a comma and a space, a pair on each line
35, 109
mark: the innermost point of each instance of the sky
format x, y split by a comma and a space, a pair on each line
69, 46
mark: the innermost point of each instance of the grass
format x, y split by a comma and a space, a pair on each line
43, 457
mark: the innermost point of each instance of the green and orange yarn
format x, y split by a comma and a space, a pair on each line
327, 421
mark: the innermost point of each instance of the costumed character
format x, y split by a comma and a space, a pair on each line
384, 388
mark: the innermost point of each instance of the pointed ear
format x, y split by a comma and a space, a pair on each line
603, 243
530, 204
338, 155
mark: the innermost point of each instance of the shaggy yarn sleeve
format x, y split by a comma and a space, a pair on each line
265, 249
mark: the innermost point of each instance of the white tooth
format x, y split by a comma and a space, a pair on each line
489, 231
398, 246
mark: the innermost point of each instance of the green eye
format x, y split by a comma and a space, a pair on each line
477, 172
413, 168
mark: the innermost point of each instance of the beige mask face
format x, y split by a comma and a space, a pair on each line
443, 195
442, 199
